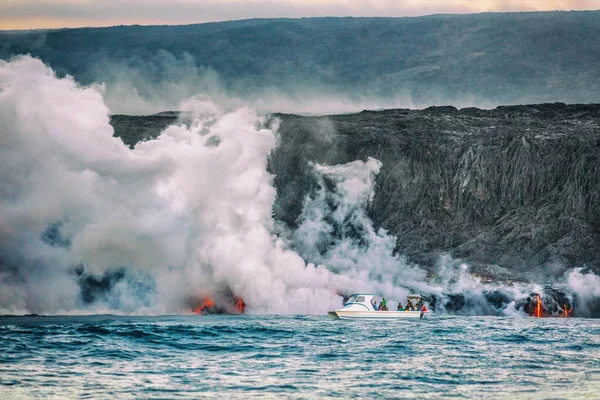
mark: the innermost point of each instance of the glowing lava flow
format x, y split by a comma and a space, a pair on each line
538, 309
206, 302
241, 306
566, 311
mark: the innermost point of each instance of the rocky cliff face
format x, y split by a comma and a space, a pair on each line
514, 191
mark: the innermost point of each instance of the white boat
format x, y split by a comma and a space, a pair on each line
360, 306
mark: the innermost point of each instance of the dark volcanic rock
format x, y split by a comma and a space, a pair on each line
134, 129
517, 187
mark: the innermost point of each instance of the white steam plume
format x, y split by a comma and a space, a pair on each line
336, 231
182, 215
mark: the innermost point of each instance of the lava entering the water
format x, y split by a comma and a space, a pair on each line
241, 306
206, 302
538, 309
217, 303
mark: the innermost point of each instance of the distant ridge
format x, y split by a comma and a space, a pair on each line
490, 58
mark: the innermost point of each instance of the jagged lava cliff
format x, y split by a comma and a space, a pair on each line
513, 191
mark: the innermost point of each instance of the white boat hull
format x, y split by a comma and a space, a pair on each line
376, 315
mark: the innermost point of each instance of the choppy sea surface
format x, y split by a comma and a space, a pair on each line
248, 356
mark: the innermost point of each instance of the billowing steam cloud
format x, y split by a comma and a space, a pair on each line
175, 217
336, 231
89, 225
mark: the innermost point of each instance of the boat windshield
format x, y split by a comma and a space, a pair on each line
352, 299
356, 298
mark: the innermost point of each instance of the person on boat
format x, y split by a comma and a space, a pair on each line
374, 304
409, 306
419, 304
384, 304
400, 308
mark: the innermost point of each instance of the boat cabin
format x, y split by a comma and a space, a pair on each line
360, 302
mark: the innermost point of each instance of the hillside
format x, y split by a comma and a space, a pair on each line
509, 58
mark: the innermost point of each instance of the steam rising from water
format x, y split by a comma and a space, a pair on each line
89, 225
183, 215
336, 231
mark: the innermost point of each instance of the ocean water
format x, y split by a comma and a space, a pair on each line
249, 356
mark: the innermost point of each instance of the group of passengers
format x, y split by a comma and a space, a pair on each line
381, 307
409, 306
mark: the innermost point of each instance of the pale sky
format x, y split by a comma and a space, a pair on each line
33, 14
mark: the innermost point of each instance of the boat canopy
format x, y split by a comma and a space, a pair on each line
367, 299
361, 298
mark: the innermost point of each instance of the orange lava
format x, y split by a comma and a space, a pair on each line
241, 306
538, 310
206, 302
566, 311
